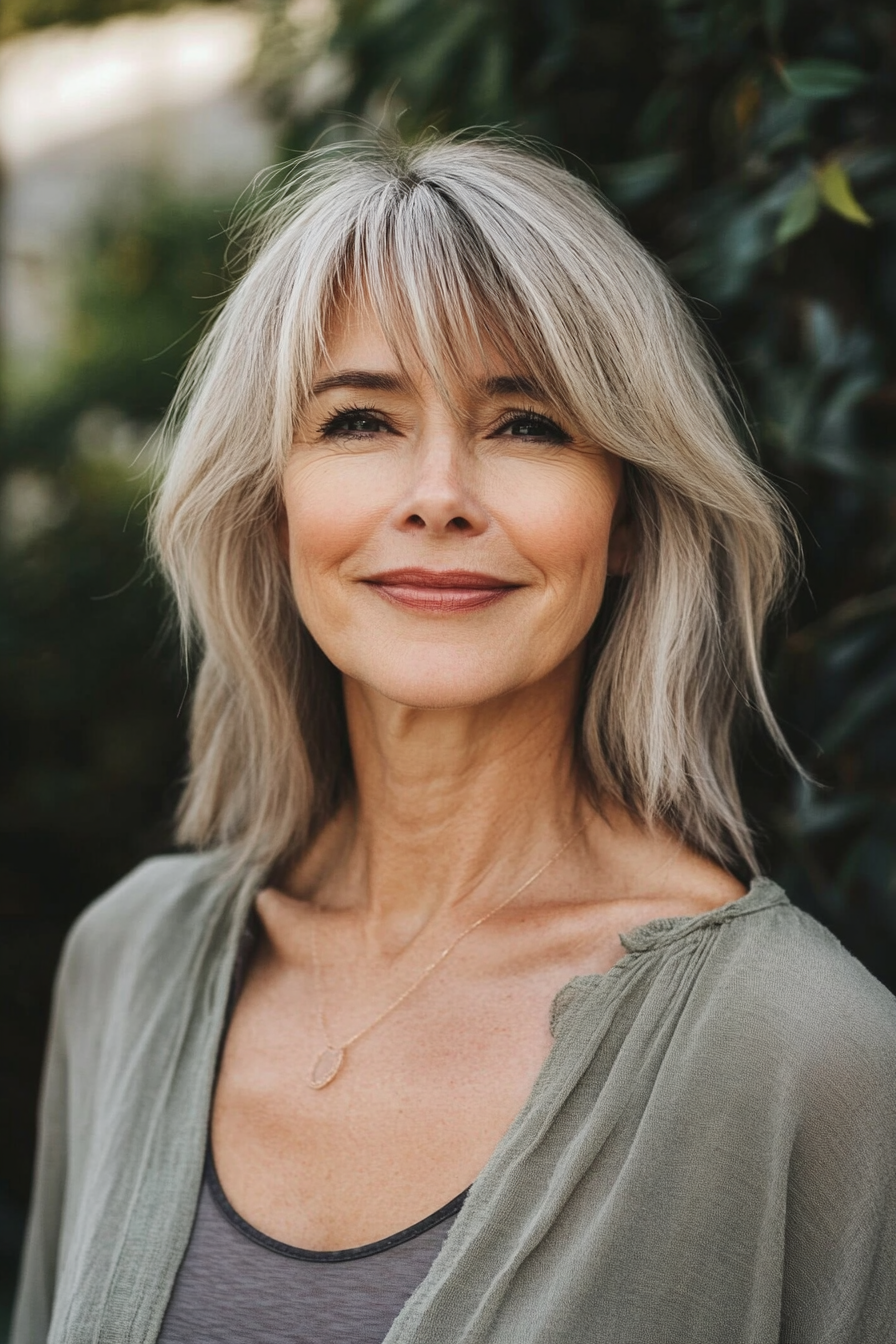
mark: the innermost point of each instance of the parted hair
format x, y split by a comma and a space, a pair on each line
454, 239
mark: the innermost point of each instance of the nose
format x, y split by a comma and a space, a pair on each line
441, 496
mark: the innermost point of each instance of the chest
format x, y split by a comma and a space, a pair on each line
424, 1094
413, 1115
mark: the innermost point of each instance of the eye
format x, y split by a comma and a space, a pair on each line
530, 425
357, 423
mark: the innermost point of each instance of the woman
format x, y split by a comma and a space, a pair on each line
460, 1026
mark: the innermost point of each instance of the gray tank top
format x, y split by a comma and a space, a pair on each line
238, 1286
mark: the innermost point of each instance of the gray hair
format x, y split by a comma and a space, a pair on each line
450, 237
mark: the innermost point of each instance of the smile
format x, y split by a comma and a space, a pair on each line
440, 590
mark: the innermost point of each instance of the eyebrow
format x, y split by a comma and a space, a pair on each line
515, 385
362, 379
365, 380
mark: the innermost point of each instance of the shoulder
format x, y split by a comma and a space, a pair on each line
797, 1003
773, 994
144, 899
802, 966
147, 921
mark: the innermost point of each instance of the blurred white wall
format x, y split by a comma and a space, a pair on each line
85, 113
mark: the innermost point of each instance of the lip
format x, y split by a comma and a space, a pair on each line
440, 590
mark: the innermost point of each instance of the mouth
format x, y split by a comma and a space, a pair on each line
440, 590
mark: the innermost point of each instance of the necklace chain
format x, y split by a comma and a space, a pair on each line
330, 1060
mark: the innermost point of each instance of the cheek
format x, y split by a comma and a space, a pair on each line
561, 520
570, 543
331, 510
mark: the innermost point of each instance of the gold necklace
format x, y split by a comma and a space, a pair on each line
330, 1060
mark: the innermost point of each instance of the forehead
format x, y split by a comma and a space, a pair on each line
361, 350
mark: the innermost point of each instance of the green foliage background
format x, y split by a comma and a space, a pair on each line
753, 147
22, 16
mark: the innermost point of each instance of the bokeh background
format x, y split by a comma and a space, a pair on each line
750, 143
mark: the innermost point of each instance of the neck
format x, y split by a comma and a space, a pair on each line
453, 806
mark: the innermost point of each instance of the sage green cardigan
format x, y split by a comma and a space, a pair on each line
707, 1157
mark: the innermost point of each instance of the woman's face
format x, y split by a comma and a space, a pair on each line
444, 557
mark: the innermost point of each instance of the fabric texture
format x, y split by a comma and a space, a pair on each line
708, 1154
237, 1284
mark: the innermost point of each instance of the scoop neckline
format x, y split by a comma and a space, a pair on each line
324, 1257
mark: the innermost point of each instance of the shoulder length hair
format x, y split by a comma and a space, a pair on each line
451, 240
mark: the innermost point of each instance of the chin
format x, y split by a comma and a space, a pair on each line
427, 686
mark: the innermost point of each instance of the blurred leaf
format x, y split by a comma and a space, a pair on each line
773, 13
844, 616
870, 866
822, 79
836, 191
656, 116
868, 701
824, 334
747, 101
817, 815
638, 180
870, 163
18, 16
800, 213
444, 42
390, 11
491, 77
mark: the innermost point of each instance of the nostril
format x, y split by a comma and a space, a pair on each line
457, 524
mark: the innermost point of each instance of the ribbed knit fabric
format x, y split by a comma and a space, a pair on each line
708, 1155
235, 1283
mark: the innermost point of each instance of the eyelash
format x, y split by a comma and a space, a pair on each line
551, 431
331, 424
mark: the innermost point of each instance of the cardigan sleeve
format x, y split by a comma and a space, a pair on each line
37, 1276
840, 1243
118, 972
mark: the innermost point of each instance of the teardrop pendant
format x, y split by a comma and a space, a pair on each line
326, 1067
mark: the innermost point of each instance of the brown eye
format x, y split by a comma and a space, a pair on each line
527, 429
355, 423
535, 427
